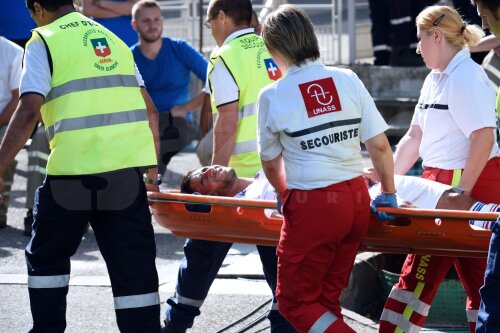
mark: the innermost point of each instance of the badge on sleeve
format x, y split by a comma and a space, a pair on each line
272, 69
320, 97
101, 47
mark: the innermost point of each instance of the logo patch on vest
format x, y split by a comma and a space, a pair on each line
101, 47
272, 69
320, 97
101, 44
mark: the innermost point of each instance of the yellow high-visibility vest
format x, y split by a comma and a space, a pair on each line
95, 116
245, 57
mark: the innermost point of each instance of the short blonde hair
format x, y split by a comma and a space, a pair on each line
456, 31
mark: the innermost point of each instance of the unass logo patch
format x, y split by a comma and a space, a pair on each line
320, 97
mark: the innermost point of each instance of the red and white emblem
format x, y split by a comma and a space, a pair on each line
320, 97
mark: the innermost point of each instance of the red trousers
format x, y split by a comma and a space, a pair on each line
321, 233
409, 301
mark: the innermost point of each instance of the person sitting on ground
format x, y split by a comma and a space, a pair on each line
415, 191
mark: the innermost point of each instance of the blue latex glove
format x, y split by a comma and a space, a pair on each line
383, 200
279, 204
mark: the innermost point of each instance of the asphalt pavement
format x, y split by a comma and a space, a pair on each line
240, 288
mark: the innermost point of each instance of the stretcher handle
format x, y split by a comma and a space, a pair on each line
271, 204
440, 213
210, 200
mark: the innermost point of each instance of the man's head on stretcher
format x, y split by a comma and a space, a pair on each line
210, 180
411, 191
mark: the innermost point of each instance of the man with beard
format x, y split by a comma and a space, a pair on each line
165, 65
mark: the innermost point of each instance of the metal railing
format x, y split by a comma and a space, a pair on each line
337, 39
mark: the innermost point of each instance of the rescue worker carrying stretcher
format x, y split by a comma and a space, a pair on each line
102, 129
239, 67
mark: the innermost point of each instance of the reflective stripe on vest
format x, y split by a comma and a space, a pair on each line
54, 281
92, 83
248, 146
95, 115
247, 111
323, 322
244, 57
403, 324
98, 120
136, 301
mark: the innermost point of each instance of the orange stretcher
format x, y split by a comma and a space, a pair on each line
435, 232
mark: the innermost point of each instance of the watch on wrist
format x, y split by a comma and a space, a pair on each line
457, 189
149, 180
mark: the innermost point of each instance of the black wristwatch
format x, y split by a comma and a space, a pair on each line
457, 189
149, 180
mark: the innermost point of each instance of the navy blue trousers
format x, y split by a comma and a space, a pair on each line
115, 204
197, 272
488, 317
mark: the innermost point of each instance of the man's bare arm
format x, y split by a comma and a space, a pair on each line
381, 155
407, 151
225, 133
153, 125
121, 8
20, 127
9, 109
91, 10
275, 173
206, 120
193, 104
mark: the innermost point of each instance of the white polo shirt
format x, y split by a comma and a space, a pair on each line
11, 56
259, 189
316, 116
421, 192
453, 104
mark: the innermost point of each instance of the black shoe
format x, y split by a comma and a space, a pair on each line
3, 221
28, 222
169, 329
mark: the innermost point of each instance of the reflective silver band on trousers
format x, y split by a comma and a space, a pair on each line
136, 301
96, 121
323, 322
409, 298
54, 281
111, 81
400, 321
188, 301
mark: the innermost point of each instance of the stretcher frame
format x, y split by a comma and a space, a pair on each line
419, 231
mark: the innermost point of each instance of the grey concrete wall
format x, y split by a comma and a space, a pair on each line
385, 82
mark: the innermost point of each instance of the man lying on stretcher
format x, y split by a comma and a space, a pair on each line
414, 191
